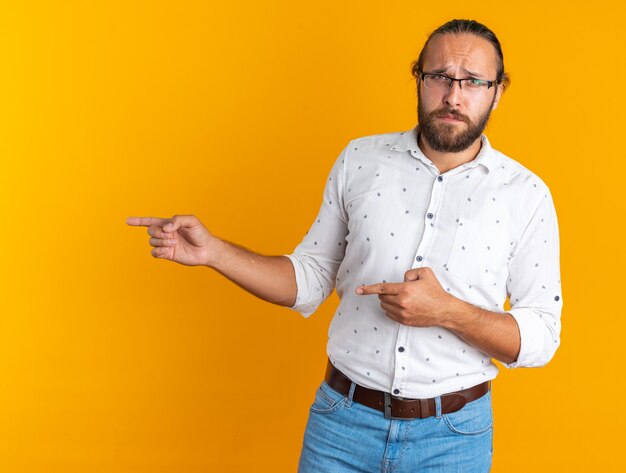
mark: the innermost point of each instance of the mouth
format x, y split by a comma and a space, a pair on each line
450, 118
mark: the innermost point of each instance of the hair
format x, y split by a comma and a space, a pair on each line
470, 27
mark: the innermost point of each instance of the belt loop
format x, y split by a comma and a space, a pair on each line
351, 393
438, 407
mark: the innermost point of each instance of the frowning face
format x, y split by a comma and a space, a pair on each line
452, 118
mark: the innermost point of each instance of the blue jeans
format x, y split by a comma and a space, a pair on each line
344, 436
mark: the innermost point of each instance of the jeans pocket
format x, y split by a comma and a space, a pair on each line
473, 419
327, 400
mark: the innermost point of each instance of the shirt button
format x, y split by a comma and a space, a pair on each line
419, 258
396, 391
400, 349
440, 178
429, 215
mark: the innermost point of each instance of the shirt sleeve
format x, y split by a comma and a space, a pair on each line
318, 257
534, 285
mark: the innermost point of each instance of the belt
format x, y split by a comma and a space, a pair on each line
399, 408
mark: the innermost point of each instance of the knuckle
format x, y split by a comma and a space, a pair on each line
154, 231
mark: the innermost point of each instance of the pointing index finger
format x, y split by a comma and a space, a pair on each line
146, 221
380, 288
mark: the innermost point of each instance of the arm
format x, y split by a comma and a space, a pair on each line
528, 335
494, 333
317, 258
420, 301
185, 240
271, 278
534, 284
301, 280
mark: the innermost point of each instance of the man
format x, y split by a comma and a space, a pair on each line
441, 228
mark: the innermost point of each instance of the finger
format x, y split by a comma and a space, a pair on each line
161, 242
390, 299
380, 288
160, 252
417, 273
146, 221
177, 221
159, 233
412, 274
391, 310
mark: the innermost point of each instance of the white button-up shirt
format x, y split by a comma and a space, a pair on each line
487, 228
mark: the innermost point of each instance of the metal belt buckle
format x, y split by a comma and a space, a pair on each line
387, 400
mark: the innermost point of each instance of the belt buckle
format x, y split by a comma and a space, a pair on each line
387, 401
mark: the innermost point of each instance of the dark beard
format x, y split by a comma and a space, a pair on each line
441, 136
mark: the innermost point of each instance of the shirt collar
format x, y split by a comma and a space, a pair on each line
407, 141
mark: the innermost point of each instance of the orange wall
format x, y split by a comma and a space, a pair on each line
112, 361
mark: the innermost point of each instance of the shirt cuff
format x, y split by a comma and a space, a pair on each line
304, 309
534, 350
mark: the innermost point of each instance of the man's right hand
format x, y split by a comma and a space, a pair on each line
185, 240
182, 238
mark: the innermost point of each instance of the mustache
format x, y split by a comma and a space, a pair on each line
452, 112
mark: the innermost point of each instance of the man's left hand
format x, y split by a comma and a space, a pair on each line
419, 301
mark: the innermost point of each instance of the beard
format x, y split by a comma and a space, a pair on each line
444, 137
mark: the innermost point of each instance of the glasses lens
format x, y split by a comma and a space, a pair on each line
440, 82
474, 85
436, 81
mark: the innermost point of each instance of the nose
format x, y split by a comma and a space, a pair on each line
452, 97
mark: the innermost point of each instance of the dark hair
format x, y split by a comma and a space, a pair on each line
470, 27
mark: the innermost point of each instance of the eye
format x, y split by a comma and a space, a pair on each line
440, 77
474, 83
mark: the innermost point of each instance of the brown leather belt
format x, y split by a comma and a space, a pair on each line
399, 408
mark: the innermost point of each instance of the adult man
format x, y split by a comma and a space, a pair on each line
442, 228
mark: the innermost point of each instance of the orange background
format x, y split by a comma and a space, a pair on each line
112, 361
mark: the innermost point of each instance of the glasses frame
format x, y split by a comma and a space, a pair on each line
451, 80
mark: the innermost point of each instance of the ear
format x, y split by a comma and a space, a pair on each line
499, 91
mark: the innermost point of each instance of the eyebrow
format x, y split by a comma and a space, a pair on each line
473, 74
445, 69
440, 70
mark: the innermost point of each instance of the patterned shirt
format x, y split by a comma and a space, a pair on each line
487, 229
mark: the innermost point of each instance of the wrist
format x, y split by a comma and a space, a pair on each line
214, 250
458, 314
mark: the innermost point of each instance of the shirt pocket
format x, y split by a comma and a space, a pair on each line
479, 252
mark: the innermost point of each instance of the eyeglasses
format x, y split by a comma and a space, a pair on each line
442, 83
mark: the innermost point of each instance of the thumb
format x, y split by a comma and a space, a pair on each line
178, 221
412, 274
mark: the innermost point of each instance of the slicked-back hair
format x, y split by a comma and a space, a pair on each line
457, 27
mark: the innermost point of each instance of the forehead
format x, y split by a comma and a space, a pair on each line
460, 53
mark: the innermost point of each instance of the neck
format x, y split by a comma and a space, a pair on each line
445, 161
